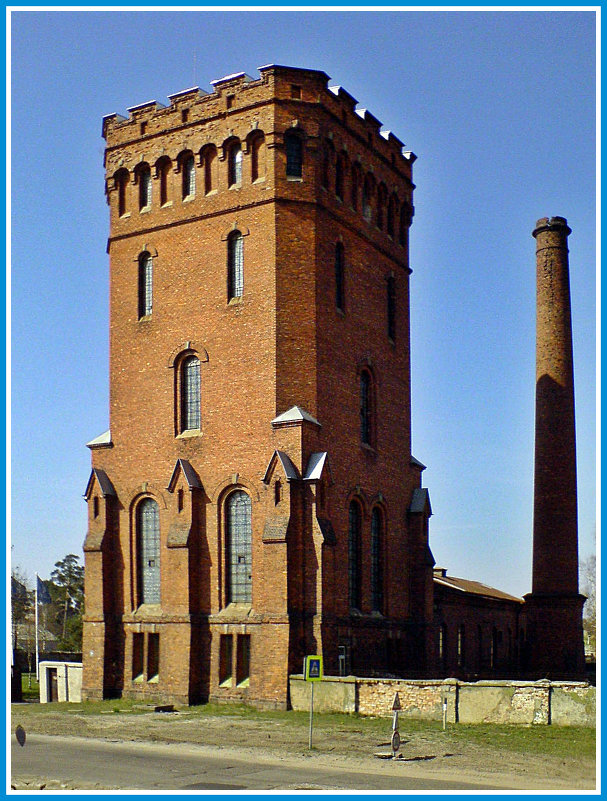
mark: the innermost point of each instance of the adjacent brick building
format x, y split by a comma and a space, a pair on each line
255, 498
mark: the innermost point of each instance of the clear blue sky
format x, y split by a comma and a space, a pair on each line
499, 107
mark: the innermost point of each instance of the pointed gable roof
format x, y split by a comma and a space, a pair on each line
316, 465
190, 475
102, 441
106, 486
288, 467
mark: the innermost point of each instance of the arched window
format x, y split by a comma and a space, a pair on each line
144, 177
235, 265
381, 204
340, 169
209, 156
147, 524
238, 547
188, 177
391, 307
390, 221
121, 182
368, 187
366, 401
145, 285
235, 164
377, 573
354, 556
340, 296
163, 169
294, 148
190, 393
258, 157
355, 186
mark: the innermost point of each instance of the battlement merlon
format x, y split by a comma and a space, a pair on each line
278, 83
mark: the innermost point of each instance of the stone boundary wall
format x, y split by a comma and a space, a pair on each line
518, 702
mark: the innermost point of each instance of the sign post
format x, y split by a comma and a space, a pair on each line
395, 734
312, 672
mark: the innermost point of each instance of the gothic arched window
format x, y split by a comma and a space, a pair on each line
145, 285
354, 556
190, 393
147, 526
235, 265
377, 576
238, 547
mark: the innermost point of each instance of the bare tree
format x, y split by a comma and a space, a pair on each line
588, 583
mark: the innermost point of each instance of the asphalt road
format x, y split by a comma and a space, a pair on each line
153, 766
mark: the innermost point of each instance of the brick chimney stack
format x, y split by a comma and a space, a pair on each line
554, 606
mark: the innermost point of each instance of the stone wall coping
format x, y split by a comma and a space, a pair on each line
451, 682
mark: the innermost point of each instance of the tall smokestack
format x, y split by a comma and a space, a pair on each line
554, 606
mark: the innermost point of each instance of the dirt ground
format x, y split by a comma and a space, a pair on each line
429, 752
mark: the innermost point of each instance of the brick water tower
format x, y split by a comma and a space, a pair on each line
554, 606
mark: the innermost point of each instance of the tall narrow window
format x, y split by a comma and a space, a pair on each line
153, 656
392, 205
163, 172
209, 157
243, 659
148, 551
121, 182
188, 178
225, 660
367, 195
365, 408
137, 670
340, 166
238, 547
381, 203
340, 277
442, 645
190, 394
354, 556
145, 187
377, 577
258, 157
235, 265
294, 150
391, 307
235, 165
461, 646
145, 285
355, 186
327, 158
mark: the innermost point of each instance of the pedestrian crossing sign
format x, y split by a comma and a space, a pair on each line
313, 668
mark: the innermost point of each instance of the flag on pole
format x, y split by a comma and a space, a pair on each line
43, 593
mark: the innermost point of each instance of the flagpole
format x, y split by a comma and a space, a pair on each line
36, 625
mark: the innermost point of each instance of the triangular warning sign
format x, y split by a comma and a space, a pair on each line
396, 705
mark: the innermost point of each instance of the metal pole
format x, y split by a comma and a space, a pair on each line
36, 625
311, 713
444, 713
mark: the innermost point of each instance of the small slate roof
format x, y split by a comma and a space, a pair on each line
289, 468
473, 588
102, 439
106, 486
416, 463
420, 499
190, 475
293, 415
316, 464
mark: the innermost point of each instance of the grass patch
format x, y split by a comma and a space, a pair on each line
30, 689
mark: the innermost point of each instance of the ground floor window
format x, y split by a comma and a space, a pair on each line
146, 652
153, 656
137, 671
243, 659
225, 660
